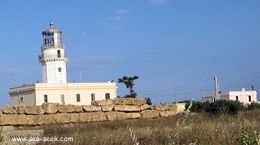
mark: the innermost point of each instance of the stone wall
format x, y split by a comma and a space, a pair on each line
106, 110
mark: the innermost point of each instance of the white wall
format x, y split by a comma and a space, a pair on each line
242, 95
24, 95
70, 91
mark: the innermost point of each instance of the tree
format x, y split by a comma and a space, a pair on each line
129, 83
149, 101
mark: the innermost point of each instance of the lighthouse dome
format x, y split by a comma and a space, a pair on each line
52, 29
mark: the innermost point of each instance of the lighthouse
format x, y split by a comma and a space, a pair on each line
54, 87
53, 57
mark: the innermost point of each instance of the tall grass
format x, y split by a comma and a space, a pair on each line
192, 128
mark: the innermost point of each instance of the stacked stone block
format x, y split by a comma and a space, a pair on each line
105, 110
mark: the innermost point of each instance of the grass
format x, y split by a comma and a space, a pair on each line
181, 129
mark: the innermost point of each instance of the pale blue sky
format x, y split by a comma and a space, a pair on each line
174, 46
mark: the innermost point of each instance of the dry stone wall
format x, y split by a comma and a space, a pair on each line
105, 110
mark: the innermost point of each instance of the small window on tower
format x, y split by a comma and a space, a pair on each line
59, 69
58, 54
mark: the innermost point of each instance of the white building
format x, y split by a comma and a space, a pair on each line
54, 87
244, 96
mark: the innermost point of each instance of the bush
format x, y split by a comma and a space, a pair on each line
216, 108
221, 107
149, 101
197, 106
253, 106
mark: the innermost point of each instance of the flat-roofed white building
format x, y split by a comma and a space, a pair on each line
244, 96
54, 87
62, 93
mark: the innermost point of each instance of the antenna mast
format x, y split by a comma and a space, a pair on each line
217, 97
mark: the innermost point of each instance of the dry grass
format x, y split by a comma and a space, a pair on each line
180, 129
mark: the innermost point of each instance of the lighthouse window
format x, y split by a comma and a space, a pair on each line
59, 69
58, 54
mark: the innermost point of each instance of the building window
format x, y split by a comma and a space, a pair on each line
58, 54
21, 100
236, 98
78, 97
107, 95
45, 98
62, 99
93, 97
59, 69
249, 98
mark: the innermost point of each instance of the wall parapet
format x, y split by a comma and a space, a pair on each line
105, 110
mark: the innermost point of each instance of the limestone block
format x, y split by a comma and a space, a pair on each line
89, 108
102, 102
32, 120
168, 113
12, 119
145, 107
166, 107
126, 108
98, 116
70, 109
9, 110
180, 107
46, 119
1, 112
150, 113
50, 108
30, 110
67, 118
107, 108
84, 117
21, 120
129, 101
133, 115
116, 116
74, 117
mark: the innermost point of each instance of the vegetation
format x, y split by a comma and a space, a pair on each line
187, 128
219, 107
148, 101
129, 82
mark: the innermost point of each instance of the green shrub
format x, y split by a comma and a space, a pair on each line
149, 101
216, 108
253, 106
221, 107
197, 106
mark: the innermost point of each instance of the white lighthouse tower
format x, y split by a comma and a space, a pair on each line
54, 87
53, 57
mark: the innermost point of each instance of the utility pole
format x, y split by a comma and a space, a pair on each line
216, 90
